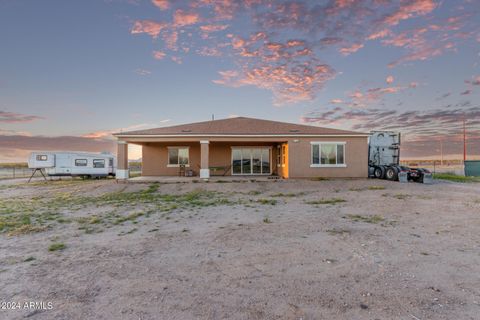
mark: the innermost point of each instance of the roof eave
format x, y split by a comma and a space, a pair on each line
239, 135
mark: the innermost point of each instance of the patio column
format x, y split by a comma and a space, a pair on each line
122, 160
204, 169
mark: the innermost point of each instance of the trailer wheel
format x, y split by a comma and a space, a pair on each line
379, 172
391, 174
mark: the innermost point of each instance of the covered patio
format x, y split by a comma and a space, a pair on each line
216, 157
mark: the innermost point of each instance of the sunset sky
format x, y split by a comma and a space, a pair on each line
73, 72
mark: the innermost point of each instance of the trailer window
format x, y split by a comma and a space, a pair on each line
178, 156
41, 157
328, 154
98, 163
80, 162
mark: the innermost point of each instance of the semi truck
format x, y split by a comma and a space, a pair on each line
384, 159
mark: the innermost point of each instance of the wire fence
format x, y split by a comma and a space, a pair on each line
14, 172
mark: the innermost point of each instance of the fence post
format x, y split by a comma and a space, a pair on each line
13, 172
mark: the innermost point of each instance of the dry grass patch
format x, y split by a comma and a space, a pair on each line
326, 201
375, 219
376, 188
56, 247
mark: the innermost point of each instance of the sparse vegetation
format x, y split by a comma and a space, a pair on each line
288, 195
337, 231
267, 201
254, 193
267, 220
356, 189
326, 201
29, 259
368, 219
455, 178
25, 229
376, 188
401, 196
57, 246
23, 215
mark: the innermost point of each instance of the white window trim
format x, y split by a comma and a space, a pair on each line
319, 165
178, 165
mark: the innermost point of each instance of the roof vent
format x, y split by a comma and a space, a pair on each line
186, 130
294, 130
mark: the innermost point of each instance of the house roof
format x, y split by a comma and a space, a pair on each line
239, 126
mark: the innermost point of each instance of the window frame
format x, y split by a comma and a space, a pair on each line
82, 165
320, 165
102, 160
173, 165
41, 157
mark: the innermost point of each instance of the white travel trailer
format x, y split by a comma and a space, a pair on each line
74, 163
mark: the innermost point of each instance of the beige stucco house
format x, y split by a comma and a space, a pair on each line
245, 146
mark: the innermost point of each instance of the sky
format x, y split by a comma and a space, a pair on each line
74, 72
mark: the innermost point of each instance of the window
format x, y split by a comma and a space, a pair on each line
251, 160
328, 154
41, 157
110, 162
80, 162
284, 154
99, 163
178, 156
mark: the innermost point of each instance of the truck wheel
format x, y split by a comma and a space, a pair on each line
391, 174
379, 172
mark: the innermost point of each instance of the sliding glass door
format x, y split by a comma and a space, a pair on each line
250, 160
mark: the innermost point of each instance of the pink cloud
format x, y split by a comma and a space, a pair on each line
389, 79
475, 81
170, 39
177, 60
142, 72
409, 9
12, 117
213, 27
149, 27
420, 127
183, 18
159, 55
162, 4
349, 50
289, 84
284, 36
209, 52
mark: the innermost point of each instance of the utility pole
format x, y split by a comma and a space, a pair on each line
464, 140
441, 152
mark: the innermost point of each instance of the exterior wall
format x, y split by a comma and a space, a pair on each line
356, 159
155, 158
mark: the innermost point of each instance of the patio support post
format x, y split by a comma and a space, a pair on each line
122, 160
204, 166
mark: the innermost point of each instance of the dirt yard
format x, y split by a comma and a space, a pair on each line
339, 249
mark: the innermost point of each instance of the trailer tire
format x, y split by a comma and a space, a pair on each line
379, 172
391, 174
